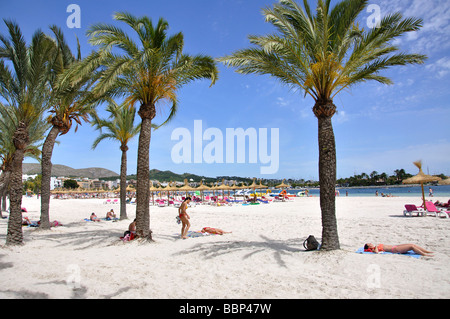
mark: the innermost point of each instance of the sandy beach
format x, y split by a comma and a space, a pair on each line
263, 257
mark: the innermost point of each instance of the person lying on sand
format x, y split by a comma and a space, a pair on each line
94, 218
214, 231
397, 249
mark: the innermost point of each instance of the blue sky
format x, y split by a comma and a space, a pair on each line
377, 127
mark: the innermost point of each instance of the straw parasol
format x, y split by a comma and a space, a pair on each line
202, 188
186, 187
152, 190
421, 178
223, 187
282, 185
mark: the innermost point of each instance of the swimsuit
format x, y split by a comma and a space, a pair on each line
372, 250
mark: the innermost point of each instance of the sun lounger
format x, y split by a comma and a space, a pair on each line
434, 211
161, 203
413, 209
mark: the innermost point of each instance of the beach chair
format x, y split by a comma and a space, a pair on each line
161, 203
434, 211
176, 203
116, 201
413, 209
108, 201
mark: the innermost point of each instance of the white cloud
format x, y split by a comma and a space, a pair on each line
441, 67
434, 36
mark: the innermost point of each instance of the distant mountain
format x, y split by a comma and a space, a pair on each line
156, 174
62, 170
166, 176
97, 172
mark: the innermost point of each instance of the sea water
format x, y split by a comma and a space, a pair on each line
409, 191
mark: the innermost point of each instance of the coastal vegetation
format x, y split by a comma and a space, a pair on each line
148, 72
321, 55
44, 87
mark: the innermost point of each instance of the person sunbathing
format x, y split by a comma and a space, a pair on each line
397, 249
94, 218
110, 215
214, 231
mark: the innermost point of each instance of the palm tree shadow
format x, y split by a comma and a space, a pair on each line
279, 248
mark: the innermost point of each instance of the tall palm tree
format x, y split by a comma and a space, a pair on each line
148, 72
7, 127
66, 107
119, 127
25, 92
321, 55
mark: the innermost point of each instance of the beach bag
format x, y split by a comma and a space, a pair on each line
311, 243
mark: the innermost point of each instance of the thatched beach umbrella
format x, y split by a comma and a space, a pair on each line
202, 188
282, 185
421, 178
152, 190
223, 187
171, 187
186, 188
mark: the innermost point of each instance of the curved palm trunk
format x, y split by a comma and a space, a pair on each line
147, 113
14, 235
46, 169
327, 174
123, 183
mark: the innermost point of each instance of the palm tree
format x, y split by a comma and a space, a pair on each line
7, 127
120, 127
25, 91
148, 72
66, 107
321, 55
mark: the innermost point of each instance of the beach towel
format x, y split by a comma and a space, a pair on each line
410, 253
194, 234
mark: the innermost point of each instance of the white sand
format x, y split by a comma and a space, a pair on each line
262, 258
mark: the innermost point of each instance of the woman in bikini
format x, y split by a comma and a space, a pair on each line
184, 217
214, 231
397, 249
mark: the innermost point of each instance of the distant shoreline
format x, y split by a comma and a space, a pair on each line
375, 187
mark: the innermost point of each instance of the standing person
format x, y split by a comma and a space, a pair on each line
431, 192
184, 217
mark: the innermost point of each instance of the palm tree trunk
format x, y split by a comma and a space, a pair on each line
14, 235
46, 169
4, 200
327, 175
123, 184
147, 113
